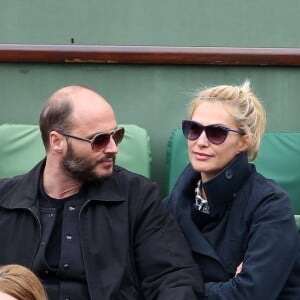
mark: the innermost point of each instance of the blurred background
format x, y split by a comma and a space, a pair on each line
153, 96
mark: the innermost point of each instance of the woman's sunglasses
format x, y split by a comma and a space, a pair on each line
101, 140
216, 134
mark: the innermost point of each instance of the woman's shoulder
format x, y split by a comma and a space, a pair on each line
265, 187
265, 196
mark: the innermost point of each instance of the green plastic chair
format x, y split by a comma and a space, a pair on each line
177, 157
21, 149
278, 159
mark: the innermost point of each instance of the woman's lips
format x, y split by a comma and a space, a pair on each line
201, 156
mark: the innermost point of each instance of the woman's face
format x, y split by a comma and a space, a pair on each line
208, 158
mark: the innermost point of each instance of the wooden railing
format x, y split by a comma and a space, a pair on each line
23, 53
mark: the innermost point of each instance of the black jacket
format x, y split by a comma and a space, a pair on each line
252, 222
131, 248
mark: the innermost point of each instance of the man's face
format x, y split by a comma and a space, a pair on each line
91, 115
84, 167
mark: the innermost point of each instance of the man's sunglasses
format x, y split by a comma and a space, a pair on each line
101, 140
216, 134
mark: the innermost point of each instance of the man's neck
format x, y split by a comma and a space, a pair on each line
57, 185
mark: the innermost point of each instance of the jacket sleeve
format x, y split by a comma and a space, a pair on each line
271, 252
164, 259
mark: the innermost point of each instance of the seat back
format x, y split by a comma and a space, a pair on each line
21, 149
278, 159
177, 157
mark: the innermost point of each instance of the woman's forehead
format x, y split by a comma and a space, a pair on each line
213, 112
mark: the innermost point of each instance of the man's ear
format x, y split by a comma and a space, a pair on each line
56, 141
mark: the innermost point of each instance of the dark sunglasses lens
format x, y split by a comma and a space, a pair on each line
191, 130
118, 135
215, 134
100, 141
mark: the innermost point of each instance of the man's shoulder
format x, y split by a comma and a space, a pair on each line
124, 174
8, 184
11, 188
133, 182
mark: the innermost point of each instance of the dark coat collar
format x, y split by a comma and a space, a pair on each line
23, 193
220, 192
23, 190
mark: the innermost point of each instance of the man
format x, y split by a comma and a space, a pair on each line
87, 228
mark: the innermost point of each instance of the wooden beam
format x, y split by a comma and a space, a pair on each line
22, 53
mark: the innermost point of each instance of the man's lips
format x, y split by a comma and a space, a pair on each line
106, 161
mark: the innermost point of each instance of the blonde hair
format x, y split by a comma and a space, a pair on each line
21, 283
245, 108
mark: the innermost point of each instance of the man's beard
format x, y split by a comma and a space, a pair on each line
79, 168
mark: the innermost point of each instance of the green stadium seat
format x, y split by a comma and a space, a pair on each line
278, 159
21, 148
177, 157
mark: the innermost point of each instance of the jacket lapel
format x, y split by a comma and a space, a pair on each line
198, 242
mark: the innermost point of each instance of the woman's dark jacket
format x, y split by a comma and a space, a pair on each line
252, 222
132, 249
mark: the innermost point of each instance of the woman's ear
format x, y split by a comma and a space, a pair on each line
244, 143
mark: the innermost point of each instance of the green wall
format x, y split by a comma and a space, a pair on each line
243, 23
152, 96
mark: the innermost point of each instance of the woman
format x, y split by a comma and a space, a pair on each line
20, 283
239, 224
